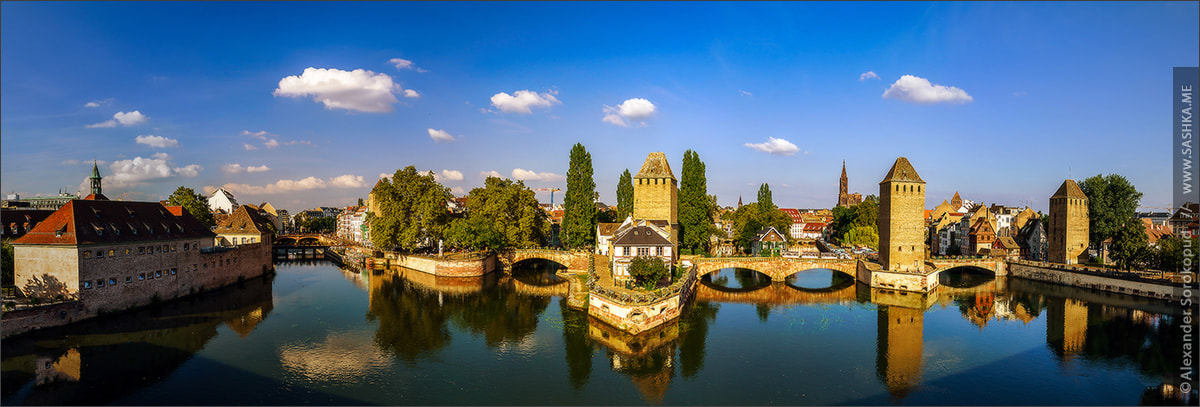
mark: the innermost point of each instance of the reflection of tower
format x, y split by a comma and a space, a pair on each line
902, 219
1066, 326
65, 368
899, 348
647, 358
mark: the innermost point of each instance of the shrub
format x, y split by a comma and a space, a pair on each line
647, 271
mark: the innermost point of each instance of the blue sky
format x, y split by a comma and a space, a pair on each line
306, 104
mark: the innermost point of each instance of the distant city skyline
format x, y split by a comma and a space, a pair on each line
308, 104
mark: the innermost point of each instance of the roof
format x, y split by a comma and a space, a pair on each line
98, 222
642, 236
1007, 242
902, 171
606, 229
1069, 189
656, 166
17, 222
768, 231
814, 227
1034, 225
244, 220
794, 213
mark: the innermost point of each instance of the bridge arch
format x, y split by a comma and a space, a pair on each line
966, 276
309, 241
285, 241
840, 280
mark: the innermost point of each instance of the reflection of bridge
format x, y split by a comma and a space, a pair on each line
780, 293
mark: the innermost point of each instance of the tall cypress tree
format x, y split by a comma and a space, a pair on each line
624, 196
579, 208
694, 211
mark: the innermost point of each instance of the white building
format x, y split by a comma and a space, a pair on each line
223, 200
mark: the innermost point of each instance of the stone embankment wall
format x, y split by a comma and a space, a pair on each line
448, 267
1066, 275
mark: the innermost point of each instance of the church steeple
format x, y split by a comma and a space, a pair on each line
95, 179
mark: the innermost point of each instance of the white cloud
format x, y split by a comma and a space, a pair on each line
92, 104
526, 175
868, 75
440, 135
249, 147
913, 89
261, 134
635, 109
775, 146
522, 101
269, 140
411, 94
272, 143
359, 90
287, 185
488, 174
98, 103
238, 168
1020, 93
745, 93
77, 162
402, 63
125, 119
157, 141
457, 190
141, 170
448, 175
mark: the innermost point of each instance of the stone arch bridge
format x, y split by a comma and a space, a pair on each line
574, 260
779, 269
304, 239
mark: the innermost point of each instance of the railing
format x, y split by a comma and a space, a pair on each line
1155, 276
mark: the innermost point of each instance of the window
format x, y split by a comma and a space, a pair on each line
128, 279
128, 251
100, 283
112, 281
173, 271
87, 285
658, 251
87, 254
186, 247
205, 265
99, 254
141, 276
643, 251
625, 251
165, 248
195, 266
141, 250
112, 252
157, 273
149, 276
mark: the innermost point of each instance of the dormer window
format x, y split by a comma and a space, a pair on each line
131, 212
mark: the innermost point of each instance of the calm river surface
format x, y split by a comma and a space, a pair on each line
315, 334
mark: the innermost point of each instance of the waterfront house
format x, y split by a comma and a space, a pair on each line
1006, 247
640, 238
246, 225
1032, 239
982, 236
768, 241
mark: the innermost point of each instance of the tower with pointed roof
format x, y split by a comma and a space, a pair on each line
95, 180
845, 198
1068, 232
656, 193
902, 219
956, 201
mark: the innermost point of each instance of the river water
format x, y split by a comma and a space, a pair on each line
317, 334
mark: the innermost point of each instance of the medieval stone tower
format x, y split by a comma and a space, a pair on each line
656, 193
1068, 233
902, 219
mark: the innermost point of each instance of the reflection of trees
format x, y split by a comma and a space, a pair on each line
693, 333
579, 349
412, 323
499, 314
750, 279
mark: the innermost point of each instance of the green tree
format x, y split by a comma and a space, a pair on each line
746, 224
360, 202
843, 220
474, 232
863, 236
1112, 201
695, 211
647, 271
1129, 247
867, 212
413, 207
607, 216
512, 210
196, 204
322, 224
624, 196
1168, 256
579, 207
765, 203
8, 264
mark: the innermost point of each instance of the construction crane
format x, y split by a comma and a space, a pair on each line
551, 193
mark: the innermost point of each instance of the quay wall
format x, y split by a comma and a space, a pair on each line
1062, 274
448, 267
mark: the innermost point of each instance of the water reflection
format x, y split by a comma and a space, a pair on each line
101, 360
341, 357
735, 279
538, 272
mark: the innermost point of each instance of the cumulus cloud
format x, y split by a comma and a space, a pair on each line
411, 94
440, 135
287, 185
775, 146
249, 147
745, 93
448, 175
522, 101
636, 109
98, 103
913, 89
359, 90
141, 170
383, 175
490, 174
123, 118
238, 168
402, 63
457, 190
272, 143
526, 175
269, 140
868, 75
157, 141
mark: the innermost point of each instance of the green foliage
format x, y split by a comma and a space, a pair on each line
195, 204
7, 264
607, 216
1129, 246
1168, 256
749, 219
647, 271
1112, 201
501, 214
695, 210
413, 207
765, 203
867, 212
843, 220
863, 236
579, 206
322, 224
624, 196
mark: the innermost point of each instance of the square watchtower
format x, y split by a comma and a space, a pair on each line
902, 219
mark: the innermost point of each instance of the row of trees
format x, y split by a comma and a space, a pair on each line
857, 225
1112, 206
753, 217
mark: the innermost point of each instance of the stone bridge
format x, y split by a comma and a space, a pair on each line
575, 260
998, 266
778, 268
305, 239
780, 294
